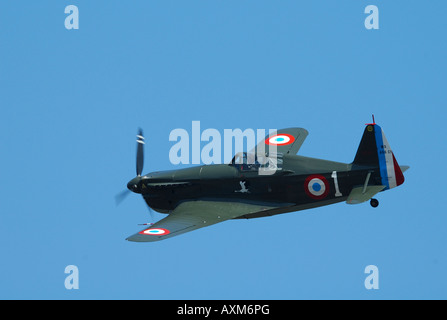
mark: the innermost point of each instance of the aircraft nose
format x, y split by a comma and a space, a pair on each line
134, 185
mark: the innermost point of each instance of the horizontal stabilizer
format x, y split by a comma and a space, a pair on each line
404, 168
362, 194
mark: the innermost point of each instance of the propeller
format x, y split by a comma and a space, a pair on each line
120, 197
134, 184
140, 152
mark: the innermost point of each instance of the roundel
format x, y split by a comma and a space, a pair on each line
316, 187
281, 139
155, 232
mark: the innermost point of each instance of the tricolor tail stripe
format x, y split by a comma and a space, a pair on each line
389, 169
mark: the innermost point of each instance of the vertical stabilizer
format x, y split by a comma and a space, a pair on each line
374, 150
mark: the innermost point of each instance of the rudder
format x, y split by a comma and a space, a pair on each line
374, 150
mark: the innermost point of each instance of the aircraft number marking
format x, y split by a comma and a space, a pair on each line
337, 190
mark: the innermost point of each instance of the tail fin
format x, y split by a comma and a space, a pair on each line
374, 150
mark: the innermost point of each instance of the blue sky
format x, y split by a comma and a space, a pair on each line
72, 100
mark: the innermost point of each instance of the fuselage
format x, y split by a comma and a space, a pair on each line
297, 183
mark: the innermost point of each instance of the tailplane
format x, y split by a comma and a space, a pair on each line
374, 150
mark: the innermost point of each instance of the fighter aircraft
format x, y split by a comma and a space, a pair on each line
259, 184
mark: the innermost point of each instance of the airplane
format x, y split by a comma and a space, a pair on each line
201, 196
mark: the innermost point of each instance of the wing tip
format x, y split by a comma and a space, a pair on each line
144, 238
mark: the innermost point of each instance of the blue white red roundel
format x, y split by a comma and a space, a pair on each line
316, 187
155, 232
281, 139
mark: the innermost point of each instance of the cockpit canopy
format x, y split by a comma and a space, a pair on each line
244, 161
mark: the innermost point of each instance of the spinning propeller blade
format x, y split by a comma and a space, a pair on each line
120, 197
140, 152
134, 184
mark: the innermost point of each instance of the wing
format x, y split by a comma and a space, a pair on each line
285, 141
192, 215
